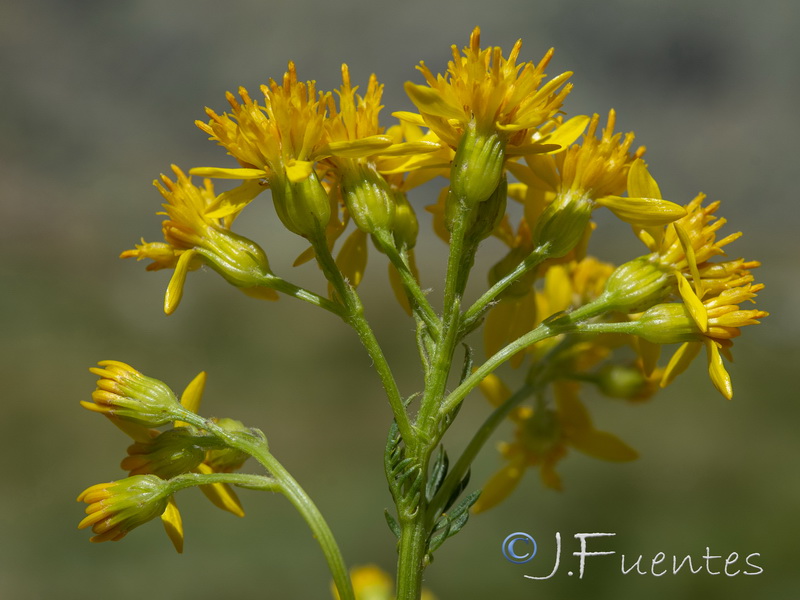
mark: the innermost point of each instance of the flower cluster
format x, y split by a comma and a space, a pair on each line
492, 127
136, 404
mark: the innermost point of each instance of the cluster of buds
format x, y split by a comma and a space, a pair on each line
138, 404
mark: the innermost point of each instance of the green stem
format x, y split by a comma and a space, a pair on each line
281, 285
418, 299
251, 482
411, 558
455, 282
354, 317
538, 334
477, 310
462, 465
289, 487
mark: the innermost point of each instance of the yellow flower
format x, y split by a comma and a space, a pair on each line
543, 437
563, 188
166, 454
283, 141
198, 232
172, 452
125, 393
490, 91
677, 322
373, 583
278, 140
117, 507
488, 108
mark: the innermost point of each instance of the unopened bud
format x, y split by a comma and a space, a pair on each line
124, 392
369, 199
562, 224
303, 206
477, 166
668, 323
637, 285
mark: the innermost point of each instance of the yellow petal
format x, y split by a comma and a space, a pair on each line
220, 173
603, 445
430, 101
260, 293
680, 361
175, 288
719, 376
500, 486
567, 132
549, 477
138, 433
221, 494
693, 304
359, 148
650, 353
229, 204
494, 389
352, 258
640, 183
299, 170
573, 414
193, 394
421, 147
643, 211
173, 525
305, 256
558, 288
688, 250
409, 117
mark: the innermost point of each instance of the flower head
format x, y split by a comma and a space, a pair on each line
197, 231
678, 322
486, 89
167, 454
125, 393
543, 437
117, 507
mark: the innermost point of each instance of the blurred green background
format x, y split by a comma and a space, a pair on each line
99, 97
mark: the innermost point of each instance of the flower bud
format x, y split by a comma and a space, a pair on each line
637, 285
124, 392
562, 224
477, 166
668, 323
483, 217
239, 260
368, 198
117, 507
303, 206
626, 382
168, 454
405, 225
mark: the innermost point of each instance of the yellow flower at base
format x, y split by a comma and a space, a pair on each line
542, 439
672, 323
125, 393
198, 232
373, 583
117, 507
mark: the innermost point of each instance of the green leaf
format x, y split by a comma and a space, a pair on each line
394, 526
438, 473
